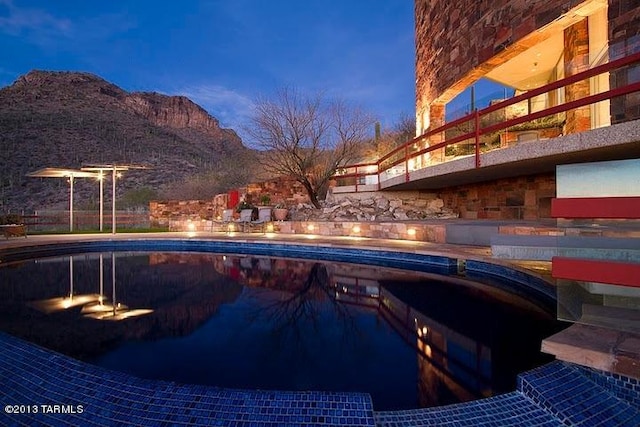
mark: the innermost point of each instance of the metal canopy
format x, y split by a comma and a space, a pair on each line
111, 167
64, 173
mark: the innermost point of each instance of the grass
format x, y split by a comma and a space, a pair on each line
119, 230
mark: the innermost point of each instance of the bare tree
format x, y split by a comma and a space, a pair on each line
405, 128
308, 137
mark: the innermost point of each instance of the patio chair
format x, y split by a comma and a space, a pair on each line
223, 222
245, 218
264, 217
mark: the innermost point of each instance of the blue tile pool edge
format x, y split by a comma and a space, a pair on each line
42, 386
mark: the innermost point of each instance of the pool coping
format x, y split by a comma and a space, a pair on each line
514, 408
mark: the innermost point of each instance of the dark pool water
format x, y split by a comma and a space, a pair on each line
409, 339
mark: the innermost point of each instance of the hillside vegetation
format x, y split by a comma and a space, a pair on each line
70, 119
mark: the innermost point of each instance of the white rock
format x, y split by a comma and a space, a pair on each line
435, 204
400, 214
395, 203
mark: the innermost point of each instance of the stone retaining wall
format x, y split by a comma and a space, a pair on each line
402, 230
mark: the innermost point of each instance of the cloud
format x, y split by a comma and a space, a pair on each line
43, 29
230, 107
34, 23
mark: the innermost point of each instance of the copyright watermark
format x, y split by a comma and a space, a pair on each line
44, 409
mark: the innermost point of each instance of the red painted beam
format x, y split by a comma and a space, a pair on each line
601, 271
596, 207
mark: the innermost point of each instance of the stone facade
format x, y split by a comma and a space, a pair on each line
624, 38
201, 212
467, 38
281, 190
576, 60
459, 42
526, 197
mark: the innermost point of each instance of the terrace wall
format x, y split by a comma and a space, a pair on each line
525, 197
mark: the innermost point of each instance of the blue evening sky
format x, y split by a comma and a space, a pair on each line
222, 53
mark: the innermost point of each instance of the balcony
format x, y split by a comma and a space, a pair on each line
517, 136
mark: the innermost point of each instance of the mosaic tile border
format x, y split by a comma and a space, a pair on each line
39, 384
43, 387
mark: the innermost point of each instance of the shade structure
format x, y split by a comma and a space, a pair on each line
114, 168
70, 174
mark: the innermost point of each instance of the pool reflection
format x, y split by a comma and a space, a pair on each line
95, 306
462, 340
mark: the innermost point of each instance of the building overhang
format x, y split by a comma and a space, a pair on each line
616, 142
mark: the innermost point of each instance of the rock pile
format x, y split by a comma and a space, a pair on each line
377, 208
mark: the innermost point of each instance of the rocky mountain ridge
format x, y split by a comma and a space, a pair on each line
67, 119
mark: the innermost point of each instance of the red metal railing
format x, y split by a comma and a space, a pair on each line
403, 155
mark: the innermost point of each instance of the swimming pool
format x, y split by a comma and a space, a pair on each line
424, 338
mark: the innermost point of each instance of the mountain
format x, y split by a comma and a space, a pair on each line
71, 119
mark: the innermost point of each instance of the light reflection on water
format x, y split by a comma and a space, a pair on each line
408, 339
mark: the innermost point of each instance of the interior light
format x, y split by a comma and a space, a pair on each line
310, 227
411, 232
356, 229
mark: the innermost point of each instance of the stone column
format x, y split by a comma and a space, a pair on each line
576, 59
437, 117
624, 37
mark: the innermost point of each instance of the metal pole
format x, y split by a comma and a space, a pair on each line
101, 279
113, 202
70, 277
101, 178
71, 203
113, 281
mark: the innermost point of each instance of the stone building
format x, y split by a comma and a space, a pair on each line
523, 45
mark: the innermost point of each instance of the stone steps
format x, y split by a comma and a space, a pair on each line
543, 248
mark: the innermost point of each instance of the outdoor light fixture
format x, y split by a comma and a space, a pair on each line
310, 227
356, 229
411, 232
116, 172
